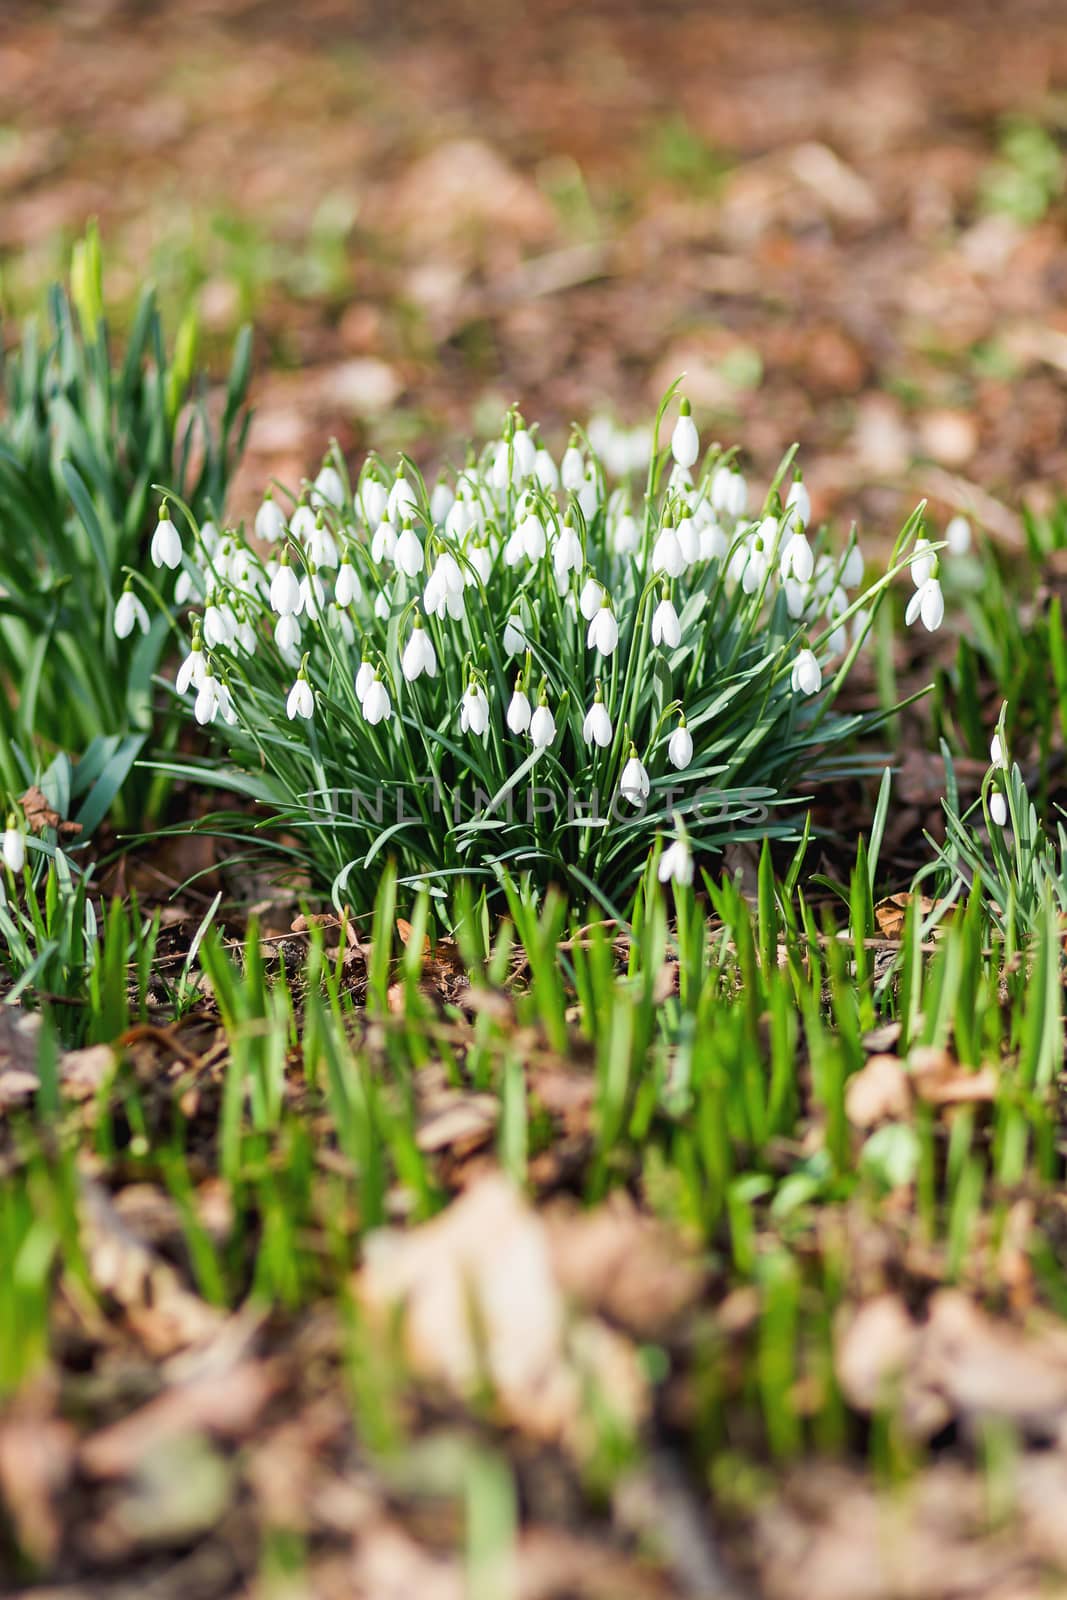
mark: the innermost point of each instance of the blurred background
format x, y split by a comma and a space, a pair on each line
845, 222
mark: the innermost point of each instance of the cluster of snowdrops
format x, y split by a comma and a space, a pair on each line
653, 650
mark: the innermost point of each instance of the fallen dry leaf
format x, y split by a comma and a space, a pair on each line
879, 1092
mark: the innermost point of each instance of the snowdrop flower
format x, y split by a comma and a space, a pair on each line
958, 535
220, 624
129, 614
634, 784
796, 598
524, 454
685, 441
589, 493
532, 532
474, 710
688, 536
922, 563
312, 595
194, 668
287, 635
347, 589
329, 486
851, 574
928, 604
301, 701
381, 605
998, 756
185, 587
409, 554
518, 713
603, 631
373, 499
441, 501
515, 549
481, 560
676, 863
419, 654
798, 505
245, 639
322, 546
542, 724
666, 628
597, 729
270, 521
377, 707
401, 501
14, 848
286, 598
680, 747
806, 676
572, 468
998, 809
514, 637
667, 553
545, 471
460, 519
567, 554
729, 491
591, 598
339, 619
208, 700
713, 542
796, 559
166, 549
383, 543
364, 679
302, 523
626, 535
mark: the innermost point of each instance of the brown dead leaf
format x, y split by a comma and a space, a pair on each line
940, 1080
36, 1461
879, 1092
40, 815
890, 913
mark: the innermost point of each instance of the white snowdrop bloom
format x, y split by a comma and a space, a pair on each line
329, 486
286, 597
798, 505
626, 535
499, 471
680, 483
796, 598
364, 679
246, 638
634, 784
402, 501
713, 542
837, 640
227, 709
312, 595
383, 542
534, 537
381, 605
287, 635
444, 584
322, 546
14, 847
373, 499
208, 700
302, 523
666, 627
441, 502
998, 756
928, 604
676, 864
377, 707
481, 560
185, 587
567, 556
514, 637
729, 491
861, 621
806, 676
591, 598
220, 625
244, 572
589, 494
851, 574
408, 555
688, 536
524, 455
998, 809
193, 669
597, 729
680, 747
603, 632
270, 522
460, 519
545, 470
474, 711
796, 560
922, 563
667, 553
756, 567
210, 537
519, 712
958, 535
685, 441
515, 549
347, 589
301, 701
572, 468
419, 654
542, 726
129, 614
166, 549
